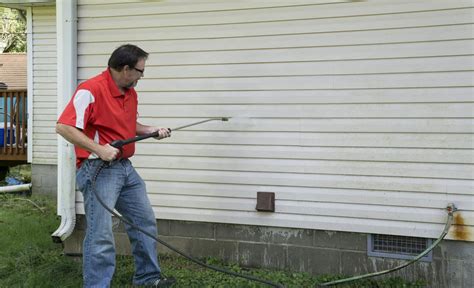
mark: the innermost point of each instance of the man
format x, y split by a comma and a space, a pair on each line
103, 109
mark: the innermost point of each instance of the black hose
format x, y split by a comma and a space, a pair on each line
450, 209
218, 269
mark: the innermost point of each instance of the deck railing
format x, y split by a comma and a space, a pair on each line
13, 125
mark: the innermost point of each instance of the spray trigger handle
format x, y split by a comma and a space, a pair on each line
117, 143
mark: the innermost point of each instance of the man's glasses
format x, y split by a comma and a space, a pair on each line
139, 70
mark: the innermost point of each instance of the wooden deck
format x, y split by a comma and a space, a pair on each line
13, 127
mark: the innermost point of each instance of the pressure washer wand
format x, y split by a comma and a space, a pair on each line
121, 143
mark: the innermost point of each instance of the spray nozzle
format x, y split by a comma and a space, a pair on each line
451, 208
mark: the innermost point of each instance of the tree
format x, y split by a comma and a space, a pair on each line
12, 30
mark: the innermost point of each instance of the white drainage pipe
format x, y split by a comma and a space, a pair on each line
15, 188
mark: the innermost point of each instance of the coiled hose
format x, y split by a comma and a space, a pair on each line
215, 268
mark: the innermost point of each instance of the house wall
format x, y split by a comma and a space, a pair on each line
44, 84
44, 142
357, 115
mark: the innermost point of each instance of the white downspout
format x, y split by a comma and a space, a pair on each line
66, 25
29, 75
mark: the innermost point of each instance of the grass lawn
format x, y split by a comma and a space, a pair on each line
29, 258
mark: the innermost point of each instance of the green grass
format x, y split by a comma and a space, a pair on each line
28, 257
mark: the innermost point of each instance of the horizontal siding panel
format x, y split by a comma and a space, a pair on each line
309, 24
423, 49
241, 112
45, 158
44, 86
45, 92
39, 129
387, 140
46, 79
462, 156
43, 89
44, 48
368, 212
47, 117
50, 68
277, 14
41, 42
49, 54
46, 100
39, 18
39, 123
40, 106
370, 81
41, 21
43, 36
45, 60
44, 111
363, 125
373, 96
232, 42
412, 170
44, 29
323, 195
45, 149
44, 136
44, 73
380, 66
186, 6
443, 186
42, 142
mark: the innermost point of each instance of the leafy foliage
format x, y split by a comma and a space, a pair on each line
13, 30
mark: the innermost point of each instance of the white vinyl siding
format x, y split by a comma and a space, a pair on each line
44, 142
358, 115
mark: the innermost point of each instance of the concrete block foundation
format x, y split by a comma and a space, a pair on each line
44, 179
300, 250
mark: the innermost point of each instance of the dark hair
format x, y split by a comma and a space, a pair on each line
127, 54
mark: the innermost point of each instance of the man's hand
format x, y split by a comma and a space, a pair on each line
77, 137
147, 130
108, 153
163, 132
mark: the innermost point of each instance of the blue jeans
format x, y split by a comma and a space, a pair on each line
119, 186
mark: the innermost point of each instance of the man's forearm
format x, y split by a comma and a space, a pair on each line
144, 129
77, 137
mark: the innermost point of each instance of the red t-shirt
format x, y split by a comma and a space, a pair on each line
103, 113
